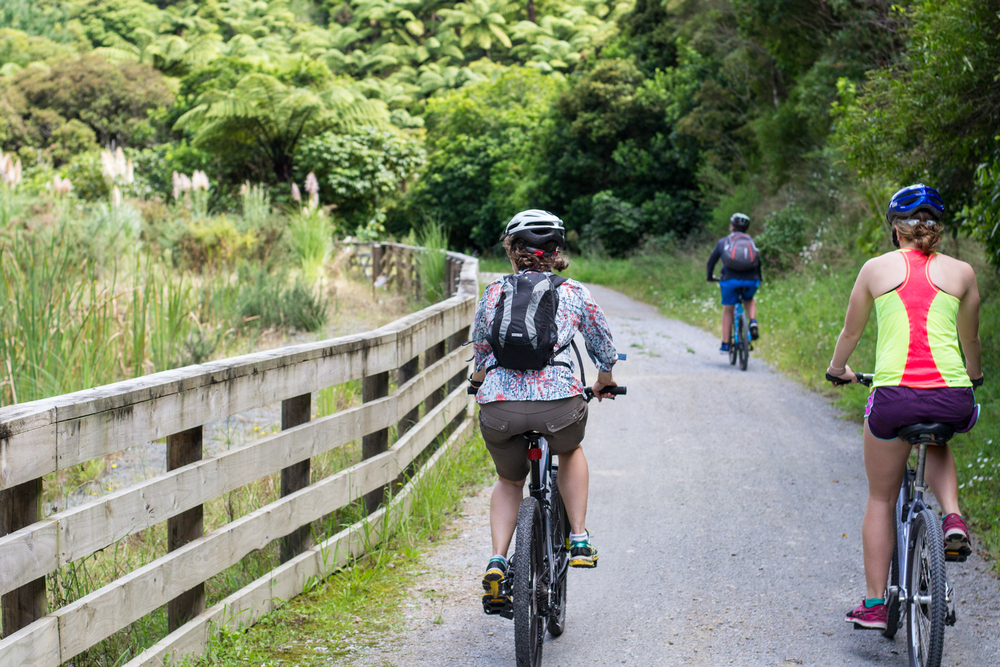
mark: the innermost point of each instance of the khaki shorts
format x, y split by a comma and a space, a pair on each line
503, 424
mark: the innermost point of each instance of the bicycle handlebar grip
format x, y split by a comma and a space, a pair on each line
615, 391
836, 380
863, 378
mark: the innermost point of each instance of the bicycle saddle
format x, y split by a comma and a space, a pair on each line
930, 432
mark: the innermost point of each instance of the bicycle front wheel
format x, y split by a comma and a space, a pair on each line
560, 536
529, 585
744, 342
926, 608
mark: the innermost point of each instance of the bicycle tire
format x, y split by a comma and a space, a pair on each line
892, 601
559, 522
927, 608
744, 342
732, 344
529, 628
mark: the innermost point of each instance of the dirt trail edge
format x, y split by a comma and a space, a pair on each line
727, 508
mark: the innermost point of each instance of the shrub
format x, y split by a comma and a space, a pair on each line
616, 225
263, 296
362, 171
784, 235
112, 99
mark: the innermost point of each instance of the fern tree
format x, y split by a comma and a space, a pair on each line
271, 117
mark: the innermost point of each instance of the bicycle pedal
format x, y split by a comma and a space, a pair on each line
951, 618
955, 556
498, 606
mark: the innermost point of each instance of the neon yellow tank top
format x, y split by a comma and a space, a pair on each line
917, 332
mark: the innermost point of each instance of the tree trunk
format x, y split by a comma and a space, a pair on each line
531, 11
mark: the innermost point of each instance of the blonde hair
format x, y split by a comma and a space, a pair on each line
925, 237
522, 258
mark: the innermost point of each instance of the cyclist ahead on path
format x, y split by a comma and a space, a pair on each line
740, 274
548, 400
925, 303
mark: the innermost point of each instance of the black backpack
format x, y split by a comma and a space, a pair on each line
739, 253
524, 332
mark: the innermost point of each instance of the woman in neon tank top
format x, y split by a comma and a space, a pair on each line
925, 303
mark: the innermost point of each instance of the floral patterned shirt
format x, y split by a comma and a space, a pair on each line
577, 312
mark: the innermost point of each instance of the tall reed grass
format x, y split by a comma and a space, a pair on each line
431, 263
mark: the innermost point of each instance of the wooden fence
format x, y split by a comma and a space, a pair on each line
46, 436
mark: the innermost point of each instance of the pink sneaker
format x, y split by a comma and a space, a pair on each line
956, 538
864, 618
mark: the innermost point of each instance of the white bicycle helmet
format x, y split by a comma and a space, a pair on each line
740, 222
536, 227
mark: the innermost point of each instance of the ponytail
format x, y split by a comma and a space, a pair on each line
924, 236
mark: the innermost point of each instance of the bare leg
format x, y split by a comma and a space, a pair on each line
941, 474
727, 321
504, 503
751, 307
574, 482
885, 464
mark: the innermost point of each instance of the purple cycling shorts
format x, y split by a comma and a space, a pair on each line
891, 408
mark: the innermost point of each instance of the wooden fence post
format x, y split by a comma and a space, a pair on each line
295, 411
184, 448
434, 354
407, 372
454, 342
20, 506
374, 387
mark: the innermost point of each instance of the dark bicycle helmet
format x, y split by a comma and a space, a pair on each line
905, 203
740, 222
536, 227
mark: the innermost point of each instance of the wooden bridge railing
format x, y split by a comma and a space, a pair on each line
45, 436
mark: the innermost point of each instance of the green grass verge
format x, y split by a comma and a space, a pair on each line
356, 606
801, 314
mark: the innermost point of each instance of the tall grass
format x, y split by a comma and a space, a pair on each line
311, 238
431, 263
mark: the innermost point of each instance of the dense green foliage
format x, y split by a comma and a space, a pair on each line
639, 121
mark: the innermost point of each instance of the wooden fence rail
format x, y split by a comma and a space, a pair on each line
45, 436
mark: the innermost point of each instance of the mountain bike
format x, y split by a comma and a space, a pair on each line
917, 589
739, 335
534, 592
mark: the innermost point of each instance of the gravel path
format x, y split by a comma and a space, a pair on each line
727, 508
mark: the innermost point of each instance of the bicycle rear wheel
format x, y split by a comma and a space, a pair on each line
733, 338
744, 342
926, 609
560, 534
892, 599
529, 585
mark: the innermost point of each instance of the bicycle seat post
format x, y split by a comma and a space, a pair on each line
918, 483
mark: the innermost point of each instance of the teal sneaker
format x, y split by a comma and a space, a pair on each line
583, 553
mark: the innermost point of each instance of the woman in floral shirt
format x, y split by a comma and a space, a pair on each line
550, 400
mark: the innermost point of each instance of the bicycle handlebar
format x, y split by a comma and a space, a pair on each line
863, 378
588, 392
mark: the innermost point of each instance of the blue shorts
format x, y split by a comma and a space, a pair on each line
731, 288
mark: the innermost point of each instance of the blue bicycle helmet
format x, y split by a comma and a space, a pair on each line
913, 198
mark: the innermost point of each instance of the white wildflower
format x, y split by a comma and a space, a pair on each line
296, 195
